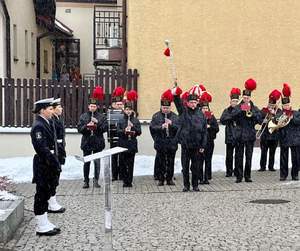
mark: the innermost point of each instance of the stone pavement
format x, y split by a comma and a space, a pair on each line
147, 217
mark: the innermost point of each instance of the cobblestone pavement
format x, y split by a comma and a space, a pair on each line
147, 217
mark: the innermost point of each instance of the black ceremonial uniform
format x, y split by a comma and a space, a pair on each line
192, 135
245, 136
46, 166
268, 142
129, 142
206, 157
165, 145
113, 116
92, 142
230, 138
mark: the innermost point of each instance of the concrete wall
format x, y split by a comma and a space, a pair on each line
218, 42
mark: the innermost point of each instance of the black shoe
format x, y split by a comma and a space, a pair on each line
185, 189
206, 182
248, 180
160, 183
49, 233
155, 177
86, 185
228, 175
282, 178
59, 211
113, 179
170, 183
272, 170
238, 181
196, 189
209, 178
201, 182
261, 170
295, 178
96, 184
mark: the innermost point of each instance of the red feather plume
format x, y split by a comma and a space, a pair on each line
236, 91
185, 95
119, 91
167, 52
132, 95
250, 84
275, 94
286, 90
206, 97
202, 87
98, 93
167, 95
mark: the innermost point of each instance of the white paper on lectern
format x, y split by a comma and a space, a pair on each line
103, 154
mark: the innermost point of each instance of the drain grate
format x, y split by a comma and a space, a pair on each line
269, 201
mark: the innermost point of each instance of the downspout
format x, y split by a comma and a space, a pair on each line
124, 38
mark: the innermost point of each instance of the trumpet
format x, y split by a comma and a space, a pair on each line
247, 108
91, 125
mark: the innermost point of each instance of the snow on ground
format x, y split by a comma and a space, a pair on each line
19, 169
4, 195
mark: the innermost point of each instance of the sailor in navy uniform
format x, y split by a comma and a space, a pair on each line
46, 166
59, 134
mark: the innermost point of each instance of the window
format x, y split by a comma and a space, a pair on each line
15, 43
46, 70
32, 48
26, 48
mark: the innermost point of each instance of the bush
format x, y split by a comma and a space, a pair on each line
5, 183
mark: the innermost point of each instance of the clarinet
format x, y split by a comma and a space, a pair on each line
92, 131
167, 129
128, 124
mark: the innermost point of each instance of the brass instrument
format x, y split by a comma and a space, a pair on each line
249, 113
269, 116
280, 122
91, 125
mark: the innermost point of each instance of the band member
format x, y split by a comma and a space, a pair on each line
46, 166
128, 128
92, 125
230, 138
113, 116
192, 135
246, 115
163, 128
59, 136
288, 123
212, 130
268, 141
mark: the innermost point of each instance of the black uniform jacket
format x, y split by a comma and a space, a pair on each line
124, 140
162, 142
230, 125
92, 141
46, 166
192, 131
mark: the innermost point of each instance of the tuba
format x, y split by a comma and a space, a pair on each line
278, 123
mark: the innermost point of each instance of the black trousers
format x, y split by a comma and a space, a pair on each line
166, 165
205, 158
156, 166
284, 161
265, 146
86, 167
115, 164
41, 197
242, 147
188, 155
127, 165
229, 159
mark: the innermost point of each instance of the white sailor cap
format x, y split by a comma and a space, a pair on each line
42, 104
56, 102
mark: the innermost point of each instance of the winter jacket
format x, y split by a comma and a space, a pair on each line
227, 120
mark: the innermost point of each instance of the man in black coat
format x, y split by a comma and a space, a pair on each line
128, 129
230, 138
59, 135
46, 166
246, 115
289, 136
163, 128
92, 125
269, 141
114, 114
212, 130
192, 135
